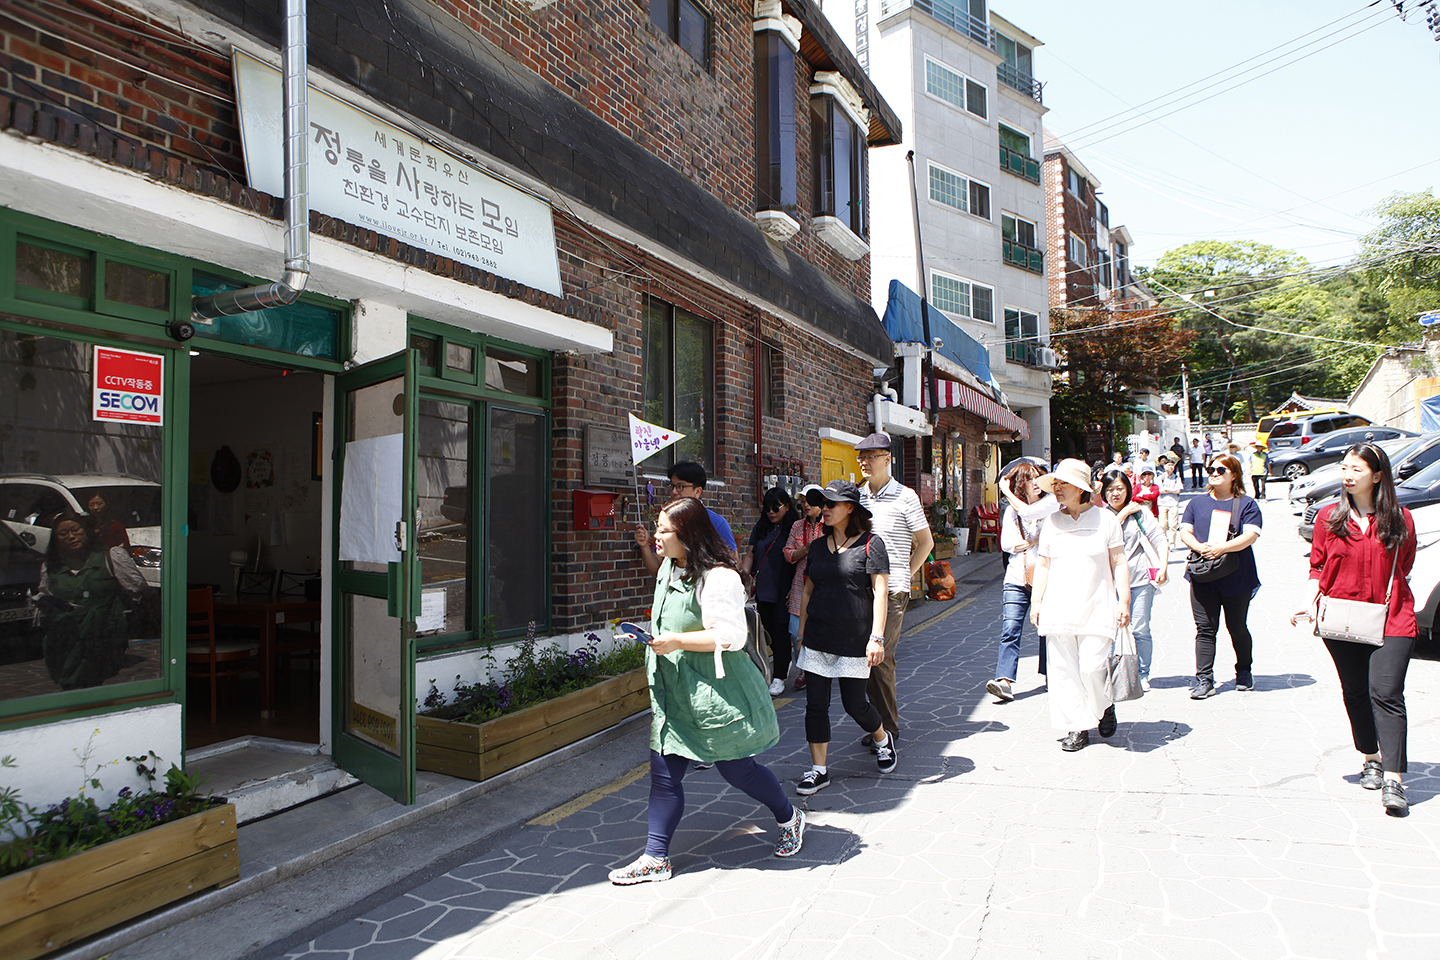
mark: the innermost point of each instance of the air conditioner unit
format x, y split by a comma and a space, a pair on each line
903, 421
1047, 358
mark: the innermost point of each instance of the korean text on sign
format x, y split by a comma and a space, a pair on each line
128, 387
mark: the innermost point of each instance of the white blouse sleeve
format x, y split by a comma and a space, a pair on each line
1038, 510
722, 607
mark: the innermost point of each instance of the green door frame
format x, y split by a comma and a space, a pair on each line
391, 774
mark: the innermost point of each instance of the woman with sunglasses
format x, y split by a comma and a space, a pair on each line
1147, 556
1363, 549
708, 702
1229, 523
773, 572
1080, 576
807, 529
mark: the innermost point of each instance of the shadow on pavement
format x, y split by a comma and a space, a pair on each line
1145, 736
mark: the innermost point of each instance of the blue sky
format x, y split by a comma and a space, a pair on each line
1294, 157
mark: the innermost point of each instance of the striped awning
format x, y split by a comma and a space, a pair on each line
952, 394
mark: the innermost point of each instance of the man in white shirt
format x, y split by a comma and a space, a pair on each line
1142, 464
900, 521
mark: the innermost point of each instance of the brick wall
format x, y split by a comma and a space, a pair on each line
120, 74
1066, 213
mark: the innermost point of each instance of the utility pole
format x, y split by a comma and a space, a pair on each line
1185, 400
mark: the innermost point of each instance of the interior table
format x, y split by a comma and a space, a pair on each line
268, 617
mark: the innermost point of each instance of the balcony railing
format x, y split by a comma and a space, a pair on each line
955, 17
1017, 254
1021, 81
1019, 164
1023, 351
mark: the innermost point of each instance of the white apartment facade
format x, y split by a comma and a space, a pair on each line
960, 76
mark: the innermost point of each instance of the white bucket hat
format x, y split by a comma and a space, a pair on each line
1073, 472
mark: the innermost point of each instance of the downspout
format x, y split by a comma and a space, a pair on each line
297, 200
883, 392
758, 382
929, 369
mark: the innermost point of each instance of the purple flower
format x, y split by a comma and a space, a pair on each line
124, 792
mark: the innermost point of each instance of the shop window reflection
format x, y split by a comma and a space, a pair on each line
80, 525
55, 271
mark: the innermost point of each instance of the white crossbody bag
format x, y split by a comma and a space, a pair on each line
1358, 621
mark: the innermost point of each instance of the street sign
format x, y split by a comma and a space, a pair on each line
1430, 319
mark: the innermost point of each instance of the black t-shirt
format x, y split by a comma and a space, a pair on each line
838, 619
772, 571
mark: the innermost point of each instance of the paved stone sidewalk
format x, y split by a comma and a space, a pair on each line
1232, 827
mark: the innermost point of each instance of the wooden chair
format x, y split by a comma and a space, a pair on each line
206, 656
302, 639
987, 526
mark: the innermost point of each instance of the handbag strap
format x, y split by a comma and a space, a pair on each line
1390, 584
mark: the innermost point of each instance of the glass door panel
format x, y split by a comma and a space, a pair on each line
518, 518
376, 587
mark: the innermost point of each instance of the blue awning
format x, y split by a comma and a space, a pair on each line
902, 322
1429, 414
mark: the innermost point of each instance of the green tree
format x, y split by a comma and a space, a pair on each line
1103, 355
1406, 251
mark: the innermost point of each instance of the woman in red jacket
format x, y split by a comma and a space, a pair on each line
1361, 544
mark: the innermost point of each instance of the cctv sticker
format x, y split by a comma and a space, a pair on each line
128, 387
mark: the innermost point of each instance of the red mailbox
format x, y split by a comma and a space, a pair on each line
594, 509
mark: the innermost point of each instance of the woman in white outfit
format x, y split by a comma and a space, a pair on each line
1172, 484
1081, 595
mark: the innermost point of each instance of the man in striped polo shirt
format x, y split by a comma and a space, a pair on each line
900, 521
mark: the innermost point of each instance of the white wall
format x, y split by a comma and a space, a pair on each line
48, 757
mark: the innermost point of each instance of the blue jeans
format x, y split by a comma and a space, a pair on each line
1015, 610
1142, 598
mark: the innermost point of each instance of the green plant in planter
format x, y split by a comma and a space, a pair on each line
79, 823
534, 675
941, 511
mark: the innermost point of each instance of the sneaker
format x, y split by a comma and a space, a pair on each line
646, 869
800, 682
1392, 795
1202, 689
1244, 681
1145, 684
792, 834
999, 689
703, 765
813, 782
885, 755
777, 687
1372, 775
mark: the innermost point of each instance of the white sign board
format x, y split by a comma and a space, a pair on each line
373, 174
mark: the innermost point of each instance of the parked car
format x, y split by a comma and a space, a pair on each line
1266, 424
1301, 432
20, 638
1292, 463
28, 501
1417, 491
1425, 575
1408, 456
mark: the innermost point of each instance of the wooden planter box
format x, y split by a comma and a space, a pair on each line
944, 551
47, 907
478, 752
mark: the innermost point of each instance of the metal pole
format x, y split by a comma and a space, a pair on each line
929, 373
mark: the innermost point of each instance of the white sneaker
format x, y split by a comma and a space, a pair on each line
1145, 684
777, 687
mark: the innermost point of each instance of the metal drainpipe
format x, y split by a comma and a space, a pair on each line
297, 199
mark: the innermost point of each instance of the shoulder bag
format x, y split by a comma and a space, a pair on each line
1122, 669
1203, 569
1358, 621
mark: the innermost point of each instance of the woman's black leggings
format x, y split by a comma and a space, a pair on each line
776, 617
1206, 605
852, 698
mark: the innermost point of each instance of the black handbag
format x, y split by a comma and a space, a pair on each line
1203, 569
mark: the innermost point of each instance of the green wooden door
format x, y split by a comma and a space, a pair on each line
376, 582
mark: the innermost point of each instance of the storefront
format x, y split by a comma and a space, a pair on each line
217, 467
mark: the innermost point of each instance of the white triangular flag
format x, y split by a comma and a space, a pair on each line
647, 439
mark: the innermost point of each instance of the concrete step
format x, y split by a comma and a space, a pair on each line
262, 776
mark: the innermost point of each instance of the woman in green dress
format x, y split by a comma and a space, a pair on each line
708, 702
85, 589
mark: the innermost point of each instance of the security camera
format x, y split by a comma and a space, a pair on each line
181, 330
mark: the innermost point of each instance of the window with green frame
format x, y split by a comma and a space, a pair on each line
484, 413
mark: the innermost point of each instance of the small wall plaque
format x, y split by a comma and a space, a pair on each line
607, 457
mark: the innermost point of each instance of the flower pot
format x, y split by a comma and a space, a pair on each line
480, 751
47, 907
